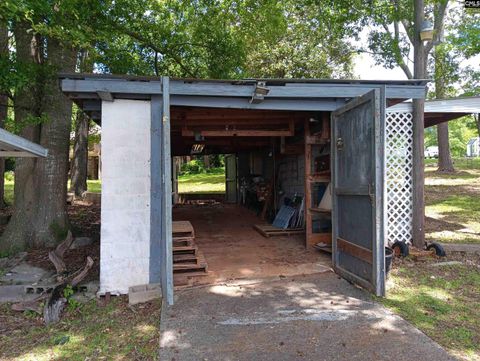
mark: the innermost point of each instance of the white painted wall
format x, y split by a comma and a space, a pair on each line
125, 214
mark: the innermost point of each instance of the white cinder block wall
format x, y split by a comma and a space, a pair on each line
125, 214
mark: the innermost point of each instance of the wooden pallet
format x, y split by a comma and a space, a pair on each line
190, 265
188, 262
193, 249
182, 229
268, 230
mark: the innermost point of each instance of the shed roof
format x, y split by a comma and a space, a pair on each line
88, 90
12, 145
442, 110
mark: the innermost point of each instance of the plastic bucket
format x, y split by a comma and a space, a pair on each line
388, 259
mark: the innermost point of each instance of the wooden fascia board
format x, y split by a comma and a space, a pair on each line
180, 88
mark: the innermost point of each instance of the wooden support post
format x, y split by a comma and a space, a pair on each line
308, 184
418, 221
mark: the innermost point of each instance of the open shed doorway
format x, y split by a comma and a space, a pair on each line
264, 157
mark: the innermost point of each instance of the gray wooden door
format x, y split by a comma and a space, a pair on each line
358, 199
231, 178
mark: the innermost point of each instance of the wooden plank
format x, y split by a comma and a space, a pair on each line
186, 267
182, 229
316, 140
308, 184
185, 248
166, 189
185, 258
319, 238
320, 210
157, 246
270, 104
355, 250
105, 96
238, 133
270, 231
217, 89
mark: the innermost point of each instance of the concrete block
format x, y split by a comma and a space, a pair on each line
81, 242
25, 274
15, 293
144, 293
94, 198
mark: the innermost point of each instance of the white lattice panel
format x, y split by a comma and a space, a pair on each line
399, 162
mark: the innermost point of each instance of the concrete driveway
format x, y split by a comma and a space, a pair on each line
315, 317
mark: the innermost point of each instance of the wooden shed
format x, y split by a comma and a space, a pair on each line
337, 132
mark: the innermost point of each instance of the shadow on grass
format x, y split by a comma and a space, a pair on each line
441, 302
113, 332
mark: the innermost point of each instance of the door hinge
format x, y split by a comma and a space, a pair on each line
371, 194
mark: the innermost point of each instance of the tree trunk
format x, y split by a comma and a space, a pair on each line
477, 122
80, 156
206, 161
40, 218
3, 109
419, 72
445, 163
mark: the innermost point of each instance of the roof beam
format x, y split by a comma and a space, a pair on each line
238, 133
182, 88
268, 104
105, 96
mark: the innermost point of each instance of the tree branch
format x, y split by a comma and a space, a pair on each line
154, 47
439, 22
408, 29
395, 40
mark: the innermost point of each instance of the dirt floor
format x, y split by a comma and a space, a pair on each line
234, 250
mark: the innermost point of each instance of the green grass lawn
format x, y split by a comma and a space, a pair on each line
212, 182
452, 203
440, 301
115, 331
443, 301
92, 185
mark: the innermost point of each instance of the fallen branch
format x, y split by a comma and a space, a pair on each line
56, 256
55, 301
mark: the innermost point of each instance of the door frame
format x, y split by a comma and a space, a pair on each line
234, 156
161, 248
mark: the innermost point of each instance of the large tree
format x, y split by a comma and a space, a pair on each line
79, 164
39, 217
4, 59
44, 45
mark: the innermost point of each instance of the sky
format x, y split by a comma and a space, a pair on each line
365, 68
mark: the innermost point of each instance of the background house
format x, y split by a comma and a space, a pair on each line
473, 147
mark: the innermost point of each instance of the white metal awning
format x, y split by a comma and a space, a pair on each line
442, 110
12, 145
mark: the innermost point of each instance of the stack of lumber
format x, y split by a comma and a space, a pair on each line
188, 261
